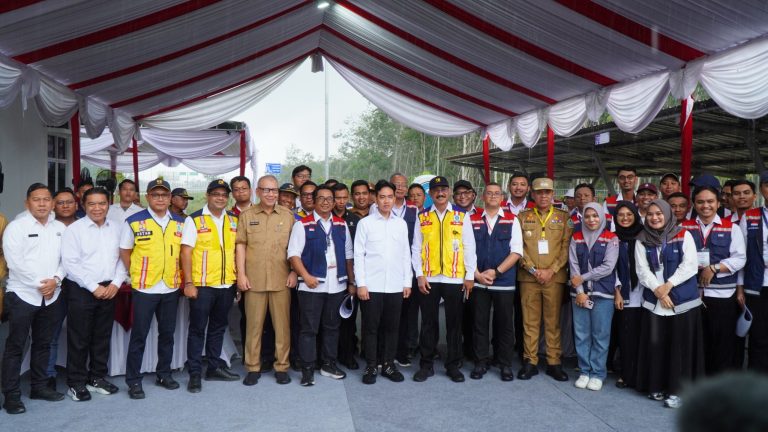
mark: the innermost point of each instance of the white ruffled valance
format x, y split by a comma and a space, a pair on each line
211, 165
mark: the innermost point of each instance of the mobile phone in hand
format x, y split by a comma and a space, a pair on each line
589, 304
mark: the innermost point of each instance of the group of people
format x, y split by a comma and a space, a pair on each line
656, 281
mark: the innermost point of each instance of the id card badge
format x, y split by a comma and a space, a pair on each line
330, 258
543, 247
455, 245
703, 257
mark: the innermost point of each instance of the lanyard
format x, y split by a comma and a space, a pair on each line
543, 222
705, 237
327, 235
762, 213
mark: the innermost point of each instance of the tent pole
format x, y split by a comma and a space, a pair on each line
135, 151
74, 128
550, 153
242, 152
686, 143
486, 158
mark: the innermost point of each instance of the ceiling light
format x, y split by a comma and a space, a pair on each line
322, 4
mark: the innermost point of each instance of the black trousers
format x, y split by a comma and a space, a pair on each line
268, 336
453, 303
145, 306
467, 329
629, 343
319, 310
348, 336
381, 314
210, 310
503, 303
720, 342
408, 335
89, 330
23, 317
757, 351
519, 346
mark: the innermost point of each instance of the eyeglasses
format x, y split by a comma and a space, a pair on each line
266, 191
494, 194
219, 194
65, 203
324, 199
463, 194
626, 177
400, 185
160, 195
307, 195
303, 176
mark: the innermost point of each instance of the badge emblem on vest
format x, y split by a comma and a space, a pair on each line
203, 227
143, 232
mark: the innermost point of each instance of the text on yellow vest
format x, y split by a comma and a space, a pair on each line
442, 248
155, 254
212, 262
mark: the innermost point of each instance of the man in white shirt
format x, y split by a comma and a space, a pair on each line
90, 255
32, 248
383, 276
518, 188
120, 211
320, 251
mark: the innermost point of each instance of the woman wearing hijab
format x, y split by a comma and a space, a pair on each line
629, 298
592, 254
671, 347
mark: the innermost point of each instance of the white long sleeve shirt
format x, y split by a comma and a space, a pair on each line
119, 215
467, 240
688, 268
734, 263
91, 254
33, 253
515, 242
382, 254
296, 247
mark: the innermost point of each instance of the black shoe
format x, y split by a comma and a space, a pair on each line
252, 378
527, 371
266, 366
478, 372
13, 403
195, 384
507, 374
455, 375
390, 372
221, 374
369, 377
620, 383
167, 383
422, 374
46, 394
657, 396
350, 364
51, 384
79, 393
136, 391
329, 369
308, 376
403, 362
101, 386
557, 372
282, 378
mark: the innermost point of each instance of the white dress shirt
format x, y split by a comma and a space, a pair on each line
127, 242
515, 242
467, 239
382, 254
516, 209
296, 247
737, 257
119, 215
91, 253
189, 233
688, 268
33, 253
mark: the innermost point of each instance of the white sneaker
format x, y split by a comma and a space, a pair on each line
595, 384
673, 402
581, 382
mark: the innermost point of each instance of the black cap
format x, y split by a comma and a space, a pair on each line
438, 182
706, 180
181, 192
290, 188
463, 183
764, 177
218, 184
158, 183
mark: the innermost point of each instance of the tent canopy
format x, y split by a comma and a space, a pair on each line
442, 67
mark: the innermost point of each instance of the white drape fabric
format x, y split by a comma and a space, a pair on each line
210, 165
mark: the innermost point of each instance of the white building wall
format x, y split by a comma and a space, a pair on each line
23, 153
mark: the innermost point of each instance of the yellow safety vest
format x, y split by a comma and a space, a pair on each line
442, 248
156, 252
212, 263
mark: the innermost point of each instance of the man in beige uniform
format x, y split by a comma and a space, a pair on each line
263, 274
546, 235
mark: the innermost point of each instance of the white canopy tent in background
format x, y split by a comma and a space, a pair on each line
212, 152
513, 69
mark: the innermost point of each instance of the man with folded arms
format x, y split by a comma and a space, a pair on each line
32, 249
90, 254
208, 265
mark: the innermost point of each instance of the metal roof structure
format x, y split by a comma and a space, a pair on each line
723, 145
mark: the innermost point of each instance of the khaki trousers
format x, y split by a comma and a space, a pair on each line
256, 304
541, 301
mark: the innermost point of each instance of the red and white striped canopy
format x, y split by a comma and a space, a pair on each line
443, 67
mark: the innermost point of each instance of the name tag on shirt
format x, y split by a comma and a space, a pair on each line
703, 257
32, 235
543, 247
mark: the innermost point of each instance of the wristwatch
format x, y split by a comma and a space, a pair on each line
58, 281
717, 267
498, 273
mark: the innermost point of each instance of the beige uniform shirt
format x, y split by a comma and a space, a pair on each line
265, 236
557, 233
